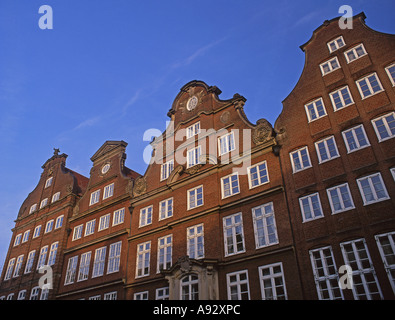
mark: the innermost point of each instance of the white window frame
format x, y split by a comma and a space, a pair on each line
90, 227
353, 50
49, 226
355, 139
59, 222
193, 156
276, 280
42, 257
30, 261
95, 197
262, 173
340, 197
325, 274
192, 199
34, 293
359, 269
33, 208
43, 203
118, 217
48, 182
162, 293
238, 283
83, 272
166, 209
330, 66
188, 285
388, 252
369, 85
99, 262
313, 214
26, 235
146, 216
324, 142
71, 270
165, 253
21, 295
18, 239
10, 268
336, 43
313, 112
55, 197
193, 130
264, 225
233, 226
18, 266
341, 96
143, 259
37, 231
141, 295
386, 126
300, 159
108, 191
52, 253
372, 189
166, 169
110, 295
390, 75
104, 222
227, 187
226, 143
77, 232
114, 257
195, 241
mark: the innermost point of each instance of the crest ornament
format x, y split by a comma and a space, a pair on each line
262, 131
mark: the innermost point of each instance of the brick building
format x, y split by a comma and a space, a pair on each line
228, 209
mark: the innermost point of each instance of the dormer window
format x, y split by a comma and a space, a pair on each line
48, 183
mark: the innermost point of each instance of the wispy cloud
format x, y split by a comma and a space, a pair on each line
132, 100
307, 18
87, 123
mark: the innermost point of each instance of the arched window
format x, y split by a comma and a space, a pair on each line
190, 287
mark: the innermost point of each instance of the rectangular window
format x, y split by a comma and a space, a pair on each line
42, 257
272, 282
326, 149
393, 173
25, 236
300, 159
37, 231
34, 293
48, 183
355, 138
230, 185
110, 296
104, 222
141, 295
355, 53
84, 266
30, 261
264, 225
52, 253
193, 130
145, 216
226, 143
325, 274
336, 44
49, 226
341, 98
95, 197
195, 197
195, 241
164, 253
143, 259
162, 293
391, 73
71, 270
166, 209
90, 227
233, 234
372, 189
33, 208
77, 233
315, 110
340, 198
385, 126
166, 169
59, 222
369, 85
119, 217
114, 257
43, 203
329, 66
18, 266
17, 240
386, 245
258, 175
365, 284
311, 207
237, 283
55, 197
193, 156
10, 267
108, 191
99, 261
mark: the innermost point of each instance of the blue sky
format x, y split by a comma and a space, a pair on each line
110, 70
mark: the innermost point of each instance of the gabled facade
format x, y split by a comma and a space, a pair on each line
96, 256
40, 232
336, 132
209, 217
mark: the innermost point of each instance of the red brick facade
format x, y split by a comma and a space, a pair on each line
228, 209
